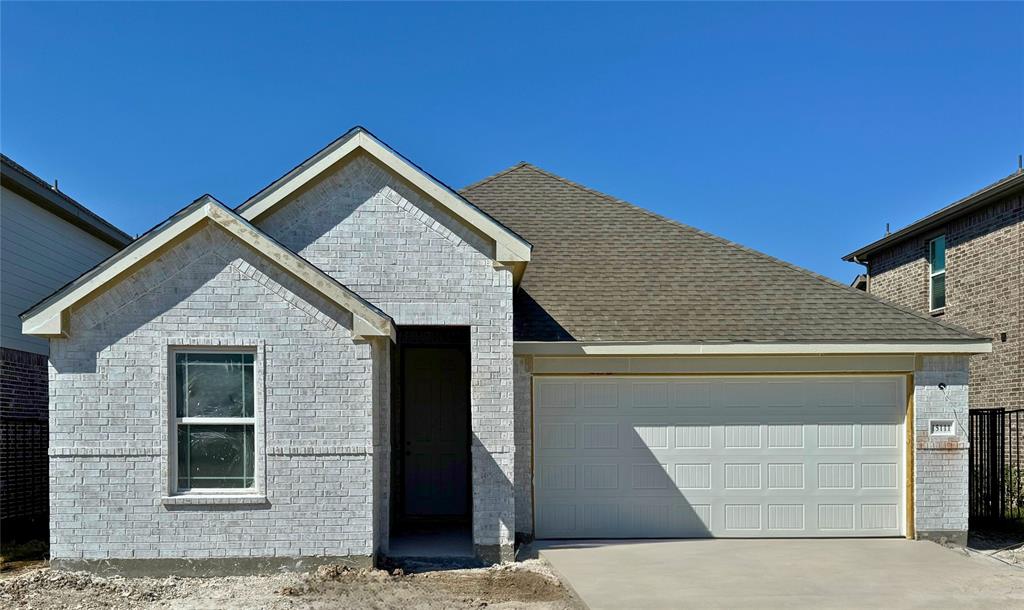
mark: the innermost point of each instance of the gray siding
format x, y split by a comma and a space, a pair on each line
39, 253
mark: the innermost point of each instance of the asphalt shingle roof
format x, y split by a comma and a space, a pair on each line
603, 269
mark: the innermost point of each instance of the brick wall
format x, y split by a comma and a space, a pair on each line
382, 444
387, 242
984, 291
23, 436
109, 414
940, 462
523, 390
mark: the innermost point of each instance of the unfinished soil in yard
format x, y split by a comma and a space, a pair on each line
529, 584
1005, 545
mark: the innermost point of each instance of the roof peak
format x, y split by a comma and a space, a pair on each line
487, 179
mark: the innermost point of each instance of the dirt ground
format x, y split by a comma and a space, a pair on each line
1006, 546
529, 585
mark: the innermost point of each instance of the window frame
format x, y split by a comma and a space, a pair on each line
932, 274
174, 422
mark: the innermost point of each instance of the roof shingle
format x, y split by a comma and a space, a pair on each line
606, 270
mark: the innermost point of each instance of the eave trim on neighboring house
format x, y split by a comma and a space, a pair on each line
509, 248
49, 318
597, 348
968, 204
23, 182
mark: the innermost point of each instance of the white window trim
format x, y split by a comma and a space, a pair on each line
255, 347
932, 274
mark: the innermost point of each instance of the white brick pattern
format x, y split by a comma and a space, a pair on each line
940, 462
109, 408
372, 233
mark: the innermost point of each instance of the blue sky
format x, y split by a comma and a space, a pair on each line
797, 129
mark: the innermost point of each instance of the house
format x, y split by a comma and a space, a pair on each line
46, 240
860, 282
965, 264
359, 354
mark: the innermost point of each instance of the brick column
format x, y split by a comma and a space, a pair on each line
940, 461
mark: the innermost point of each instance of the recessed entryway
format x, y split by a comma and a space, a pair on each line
431, 481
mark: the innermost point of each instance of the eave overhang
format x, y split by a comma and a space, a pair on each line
509, 248
597, 348
26, 184
966, 205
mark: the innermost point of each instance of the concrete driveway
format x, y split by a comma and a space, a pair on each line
853, 573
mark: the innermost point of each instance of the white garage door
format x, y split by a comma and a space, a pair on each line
631, 457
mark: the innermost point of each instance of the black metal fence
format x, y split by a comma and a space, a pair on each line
996, 465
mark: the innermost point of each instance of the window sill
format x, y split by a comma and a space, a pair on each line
938, 312
214, 499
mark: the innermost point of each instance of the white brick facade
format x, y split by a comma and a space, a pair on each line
109, 410
523, 388
367, 229
323, 398
941, 462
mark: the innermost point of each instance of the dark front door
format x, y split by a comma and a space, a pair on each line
436, 432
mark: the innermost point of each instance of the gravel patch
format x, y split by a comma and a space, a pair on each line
529, 584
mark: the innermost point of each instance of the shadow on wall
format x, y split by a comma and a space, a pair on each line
661, 508
605, 475
493, 502
167, 286
533, 323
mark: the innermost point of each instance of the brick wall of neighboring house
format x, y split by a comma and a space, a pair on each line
110, 415
23, 463
396, 248
984, 291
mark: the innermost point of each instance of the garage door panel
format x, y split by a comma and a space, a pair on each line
763, 394
651, 466
666, 518
833, 394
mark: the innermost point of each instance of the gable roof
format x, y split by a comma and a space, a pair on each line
509, 248
605, 270
49, 318
990, 194
33, 188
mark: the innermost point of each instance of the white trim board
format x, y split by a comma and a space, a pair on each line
509, 248
50, 318
574, 348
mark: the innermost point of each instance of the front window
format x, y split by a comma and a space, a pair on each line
937, 266
214, 420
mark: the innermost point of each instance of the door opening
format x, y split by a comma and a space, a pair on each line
431, 427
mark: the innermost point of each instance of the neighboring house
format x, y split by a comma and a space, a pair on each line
46, 240
860, 282
359, 353
964, 264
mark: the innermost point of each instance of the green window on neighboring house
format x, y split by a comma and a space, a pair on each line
937, 272
214, 421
